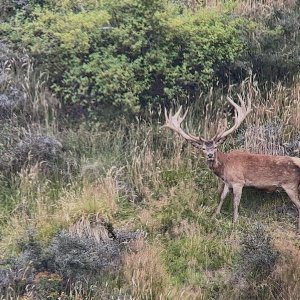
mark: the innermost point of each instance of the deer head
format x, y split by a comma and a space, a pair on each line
209, 147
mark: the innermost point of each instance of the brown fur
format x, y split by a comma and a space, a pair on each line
238, 169
260, 171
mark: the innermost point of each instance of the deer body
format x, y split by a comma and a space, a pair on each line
238, 169
256, 170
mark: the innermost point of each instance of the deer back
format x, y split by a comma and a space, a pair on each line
262, 171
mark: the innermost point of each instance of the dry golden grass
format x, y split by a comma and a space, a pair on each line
145, 273
280, 103
148, 161
275, 117
284, 280
78, 209
74, 208
261, 7
243, 7
273, 122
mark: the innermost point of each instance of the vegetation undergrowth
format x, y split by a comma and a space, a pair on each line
141, 181
97, 209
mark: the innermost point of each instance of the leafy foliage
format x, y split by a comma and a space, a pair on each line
272, 39
128, 53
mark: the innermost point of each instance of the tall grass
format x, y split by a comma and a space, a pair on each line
248, 7
140, 176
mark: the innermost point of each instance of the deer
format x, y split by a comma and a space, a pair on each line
237, 168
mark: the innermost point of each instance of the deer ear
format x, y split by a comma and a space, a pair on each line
220, 141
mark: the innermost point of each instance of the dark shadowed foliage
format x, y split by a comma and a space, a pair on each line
258, 258
273, 43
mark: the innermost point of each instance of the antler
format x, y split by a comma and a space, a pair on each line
240, 113
173, 122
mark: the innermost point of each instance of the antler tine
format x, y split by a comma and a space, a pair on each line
222, 125
173, 122
240, 113
185, 114
166, 115
177, 114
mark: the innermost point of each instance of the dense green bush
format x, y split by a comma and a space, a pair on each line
132, 53
273, 42
127, 54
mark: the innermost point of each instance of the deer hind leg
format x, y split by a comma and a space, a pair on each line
294, 196
237, 194
223, 196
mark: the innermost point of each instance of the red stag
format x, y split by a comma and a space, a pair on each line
241, 168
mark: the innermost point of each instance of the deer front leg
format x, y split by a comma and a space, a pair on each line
237, 194
223, 196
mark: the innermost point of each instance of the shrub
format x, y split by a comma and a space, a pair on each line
126, 54
273, 41
11, 102
40, 152
48, 286
84, 258
79, 258
258, 259
69, 257
36, 149
9, 7
258, 256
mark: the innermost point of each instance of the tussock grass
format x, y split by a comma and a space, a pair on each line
49, 215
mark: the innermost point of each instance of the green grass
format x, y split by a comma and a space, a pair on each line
170, 196
138, 176
188, 258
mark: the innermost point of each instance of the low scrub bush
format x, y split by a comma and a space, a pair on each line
258, 258
69, 257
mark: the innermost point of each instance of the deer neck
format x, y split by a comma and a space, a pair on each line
217, 165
